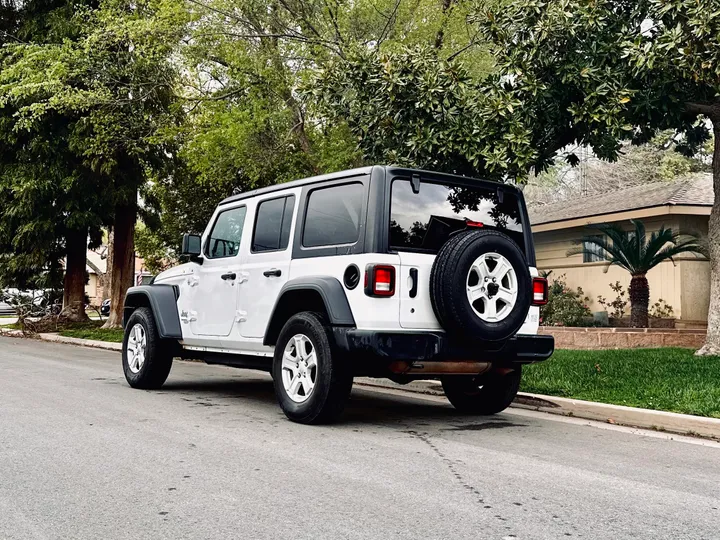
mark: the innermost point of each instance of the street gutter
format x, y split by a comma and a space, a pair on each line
683, 424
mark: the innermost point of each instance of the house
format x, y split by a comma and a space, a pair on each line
97, 268
683, 205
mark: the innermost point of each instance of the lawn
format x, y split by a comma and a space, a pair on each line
662, 379
92, 330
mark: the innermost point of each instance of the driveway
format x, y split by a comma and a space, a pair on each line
211, 456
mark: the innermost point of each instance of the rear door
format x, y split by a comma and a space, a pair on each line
420, 223
267, 266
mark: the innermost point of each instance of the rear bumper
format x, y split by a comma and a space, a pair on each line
427, 346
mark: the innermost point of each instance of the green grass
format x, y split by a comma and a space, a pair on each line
662, 379
92, 330
14, 326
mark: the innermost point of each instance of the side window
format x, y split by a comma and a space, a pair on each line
272, 224
224, 239
333, 215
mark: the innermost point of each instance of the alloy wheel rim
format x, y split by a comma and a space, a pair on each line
136, 348
299, 368
492, 287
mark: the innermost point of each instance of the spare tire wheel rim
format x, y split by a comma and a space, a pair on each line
492, 287
299, 368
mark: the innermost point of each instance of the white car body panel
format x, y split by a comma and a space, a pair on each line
231, 316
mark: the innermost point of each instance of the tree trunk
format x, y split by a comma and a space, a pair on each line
123, 262
74, 283
712, 342
639, 300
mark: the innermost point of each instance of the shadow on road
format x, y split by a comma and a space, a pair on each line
365, 406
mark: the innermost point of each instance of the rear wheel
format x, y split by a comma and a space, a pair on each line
312, 383
489, 393
146, 358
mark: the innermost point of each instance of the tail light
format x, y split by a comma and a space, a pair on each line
539, 291
379, 280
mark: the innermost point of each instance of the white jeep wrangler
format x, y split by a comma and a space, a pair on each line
379, 272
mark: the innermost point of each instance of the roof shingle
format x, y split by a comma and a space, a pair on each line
694, 190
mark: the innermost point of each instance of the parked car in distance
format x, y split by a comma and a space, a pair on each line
379, 272
5, 308
105, 308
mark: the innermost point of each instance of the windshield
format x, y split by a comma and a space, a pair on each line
424, 221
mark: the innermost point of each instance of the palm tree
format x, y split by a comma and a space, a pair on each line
638, 255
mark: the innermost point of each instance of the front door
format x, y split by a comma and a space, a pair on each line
214, 306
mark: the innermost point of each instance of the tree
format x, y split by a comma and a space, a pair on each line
636, 165
243, 63
49, 198
412, 107
113, 77
597, 73
635, 253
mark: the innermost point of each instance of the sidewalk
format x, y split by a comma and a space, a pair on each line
682, 424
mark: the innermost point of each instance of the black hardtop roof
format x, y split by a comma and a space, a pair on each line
363, 171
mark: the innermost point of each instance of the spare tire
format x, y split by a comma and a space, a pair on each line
480, 286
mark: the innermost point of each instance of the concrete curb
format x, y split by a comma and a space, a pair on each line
683, 424
106, 345
11, 333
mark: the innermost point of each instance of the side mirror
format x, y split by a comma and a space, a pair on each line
191, 245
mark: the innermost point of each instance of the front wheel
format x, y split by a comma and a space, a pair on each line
146, 359
486, 394
312, 383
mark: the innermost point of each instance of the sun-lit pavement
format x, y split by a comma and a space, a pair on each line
211, 456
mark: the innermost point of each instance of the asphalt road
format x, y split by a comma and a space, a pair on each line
82, 455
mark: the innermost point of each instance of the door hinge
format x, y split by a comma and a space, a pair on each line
240, 316
188, 317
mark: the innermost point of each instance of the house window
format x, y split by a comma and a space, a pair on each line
593, 253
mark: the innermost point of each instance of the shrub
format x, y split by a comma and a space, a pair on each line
565, 307
616, 308
661, 310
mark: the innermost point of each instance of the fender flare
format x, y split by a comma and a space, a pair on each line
162, 300
330, 290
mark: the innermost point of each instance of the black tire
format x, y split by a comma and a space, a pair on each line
158, 354
449, 277
490, 393
333, 377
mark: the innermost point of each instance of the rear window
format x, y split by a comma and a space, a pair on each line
333, 215
424, 221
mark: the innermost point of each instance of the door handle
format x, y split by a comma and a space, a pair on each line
274, 272
414, 277
229, 277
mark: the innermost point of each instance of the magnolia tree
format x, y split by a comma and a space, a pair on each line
598, 73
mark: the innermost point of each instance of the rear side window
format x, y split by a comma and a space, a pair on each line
333, 215
224, 239
424, 221
272, 224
